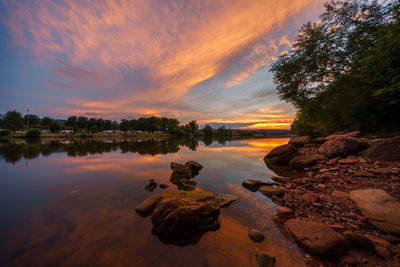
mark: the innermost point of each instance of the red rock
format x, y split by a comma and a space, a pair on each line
363, 174
284, 210
337, 227
332, 161
347, 161
349, 259
383, 253
318, 238
340, 194
290, 185
310, 197
379, 242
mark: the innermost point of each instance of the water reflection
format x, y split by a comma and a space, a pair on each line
74, 204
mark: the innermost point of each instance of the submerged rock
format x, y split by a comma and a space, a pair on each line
225, 199
253, 184
256, 235
318, 238
281, 154
265, 260
380, 208
146, 207
186, 184
270, 191
151, 185
180, 171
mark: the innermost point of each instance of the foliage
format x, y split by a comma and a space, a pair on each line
55, 127
33, 133
5, 132
344, 71
32, 119
46, 121
13, 120
207, 130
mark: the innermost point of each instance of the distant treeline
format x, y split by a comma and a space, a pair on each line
343, 72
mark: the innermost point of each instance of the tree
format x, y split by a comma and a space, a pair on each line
71, 121
46, 121
55, 127
124, 125
13, 120
343, 72
207, 130
82, 122
32, 119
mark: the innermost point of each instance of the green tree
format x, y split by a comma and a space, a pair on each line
124, 125
13, 120
71, 121
207, 130
46, 121
32, 119
343, 72
55, 127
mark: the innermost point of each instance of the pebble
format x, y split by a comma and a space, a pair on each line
256, 235
340, 194
284, 210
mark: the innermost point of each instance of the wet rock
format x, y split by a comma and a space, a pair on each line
265, 260
284, 210
146, 207
253, 185
342, 146
380, 208
300, 141
363, 174
186, 184
340, 194
180, 211
386, 150
194, 166
225, 199
318, 238
270, 191
180, 171
359, 241
151, 185
310, 197
163, 186
281, 154
281, 179
256, 235
303, 161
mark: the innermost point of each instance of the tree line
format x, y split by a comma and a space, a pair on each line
343, 72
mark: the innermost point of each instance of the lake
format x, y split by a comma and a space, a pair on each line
72, 203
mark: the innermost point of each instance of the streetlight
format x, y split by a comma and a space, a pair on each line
27, 118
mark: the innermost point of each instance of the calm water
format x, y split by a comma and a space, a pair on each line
72, 204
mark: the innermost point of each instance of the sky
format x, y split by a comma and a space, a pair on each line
193, 60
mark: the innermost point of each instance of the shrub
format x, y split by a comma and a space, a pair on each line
33, 133
5, 132
83, 135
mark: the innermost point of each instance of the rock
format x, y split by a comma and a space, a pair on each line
253, 185
186, 184
340, 194
270, 191
318, 238
146, 207
163, 186
383, 253
349, 260
380, 208
265, 260
342, 146
310, 197
347, 161
363, 174
386, 150
178, 211
225, 199
151, 185
281, 154
281, 179
349, 134
256, 235
318, 140
300, 141
332, 161
284, 210
379, 242
359, 241
180, 171
303, 161
194, 166
337, 227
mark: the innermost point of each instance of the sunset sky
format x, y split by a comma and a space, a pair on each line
194, 60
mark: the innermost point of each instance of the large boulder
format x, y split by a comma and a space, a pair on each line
194, 166
185, 211
253, 184
386, 150
180, 171
146, 207
281, 154
380, 208
318, 238
342, 146
304, 161
339, 135
300, 141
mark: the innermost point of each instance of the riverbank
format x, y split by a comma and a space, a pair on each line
96, 136
339, 197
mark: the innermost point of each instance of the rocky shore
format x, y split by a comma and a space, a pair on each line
342, 200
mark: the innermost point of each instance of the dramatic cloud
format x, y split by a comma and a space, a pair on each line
127, 58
